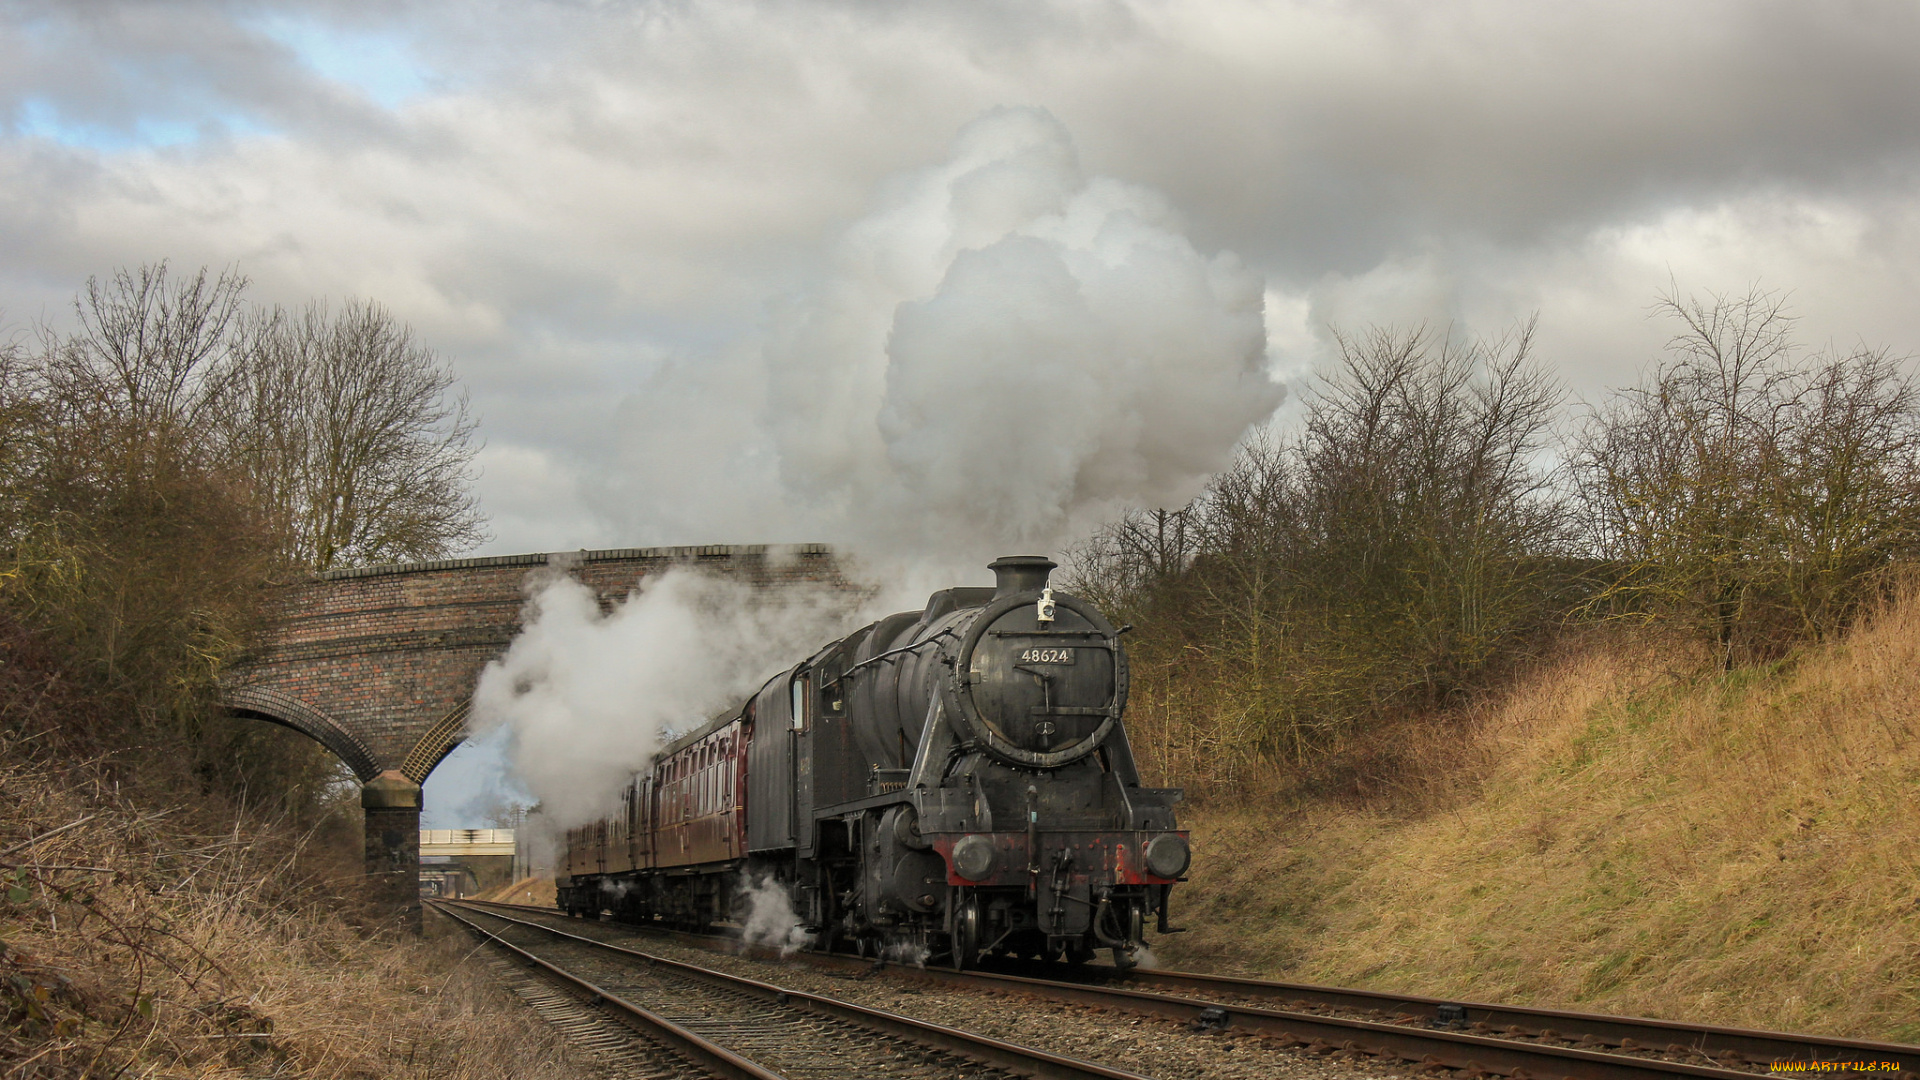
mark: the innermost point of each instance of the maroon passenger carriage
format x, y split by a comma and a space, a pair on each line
955, 780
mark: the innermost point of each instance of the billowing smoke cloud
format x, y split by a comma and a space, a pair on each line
587, 696
1003, 352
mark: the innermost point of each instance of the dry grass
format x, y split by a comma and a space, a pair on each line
539, 892
1626, 830
176, 943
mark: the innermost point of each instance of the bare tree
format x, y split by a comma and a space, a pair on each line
150, 358
1426, 517
170, 455
1847, 502
1748, 493
1133, 555
126, 541
1379, 561
18, 409
356, 436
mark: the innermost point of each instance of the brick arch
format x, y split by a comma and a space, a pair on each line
380, 662
440, 740
265, 703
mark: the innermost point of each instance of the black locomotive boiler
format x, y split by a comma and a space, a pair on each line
948, 782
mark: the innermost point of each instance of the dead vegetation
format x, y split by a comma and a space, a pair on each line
174, 882
1440, 520
1626, 828
203, 940
538, 892
1632, 732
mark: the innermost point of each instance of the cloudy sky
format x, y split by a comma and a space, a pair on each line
597, 209
741, 271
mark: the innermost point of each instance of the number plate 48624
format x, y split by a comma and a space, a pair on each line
1046, 656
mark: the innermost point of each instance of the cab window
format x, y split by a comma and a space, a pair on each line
802, 704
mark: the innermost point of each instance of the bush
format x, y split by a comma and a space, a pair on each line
1752, 497
176, 454
1378, 563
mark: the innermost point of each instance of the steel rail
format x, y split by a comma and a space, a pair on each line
1024, 1060
1757, 1046
1447, 1049
707, 1054
1598, 1058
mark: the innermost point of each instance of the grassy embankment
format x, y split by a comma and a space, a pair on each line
151, 926
538, 892
191, 941
1623, 829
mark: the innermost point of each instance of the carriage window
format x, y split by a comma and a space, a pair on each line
802, 704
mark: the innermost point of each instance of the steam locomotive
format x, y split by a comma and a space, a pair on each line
946, 783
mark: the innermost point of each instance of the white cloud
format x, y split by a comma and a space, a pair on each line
565, 199
1001, 355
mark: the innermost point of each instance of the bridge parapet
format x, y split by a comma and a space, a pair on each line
387, 656
466, 842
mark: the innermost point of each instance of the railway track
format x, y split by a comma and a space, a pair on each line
617, 1050
1421, 1033
752, 1030
1741, 1049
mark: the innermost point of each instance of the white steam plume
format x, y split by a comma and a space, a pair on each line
1003, 354
771, 920
587, 696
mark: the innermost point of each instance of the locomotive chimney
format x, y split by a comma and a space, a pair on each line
1020, 574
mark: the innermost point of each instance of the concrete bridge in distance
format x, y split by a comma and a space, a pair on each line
378, 664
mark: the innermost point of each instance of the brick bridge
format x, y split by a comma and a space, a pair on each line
378, 664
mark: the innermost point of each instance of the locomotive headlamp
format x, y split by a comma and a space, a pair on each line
1167, 856
973, 857
1043, 608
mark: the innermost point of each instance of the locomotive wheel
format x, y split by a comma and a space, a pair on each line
964, 952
